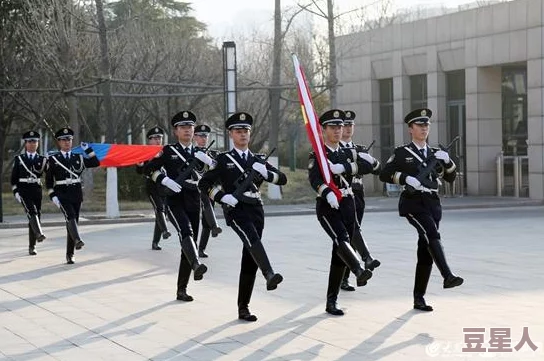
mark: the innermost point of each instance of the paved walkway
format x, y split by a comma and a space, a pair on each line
117, 301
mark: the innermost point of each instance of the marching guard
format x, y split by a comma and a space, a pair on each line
419, 202
63, 182
155, 193
338, 218
26, 185
235, 182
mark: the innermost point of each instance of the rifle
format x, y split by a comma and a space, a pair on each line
186, 172
366, 149
245, 181
427, 168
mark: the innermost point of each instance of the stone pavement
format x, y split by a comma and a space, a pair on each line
117, 301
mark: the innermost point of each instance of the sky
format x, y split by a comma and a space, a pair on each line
225, 17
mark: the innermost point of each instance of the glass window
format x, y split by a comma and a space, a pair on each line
455, 85
418, 91
387, 135
514, 111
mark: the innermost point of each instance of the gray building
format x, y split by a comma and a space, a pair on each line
481, 71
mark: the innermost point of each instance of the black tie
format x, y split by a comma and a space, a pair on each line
67, 156
188, 150
244, 157
422, 151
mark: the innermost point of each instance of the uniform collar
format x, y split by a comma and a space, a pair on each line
332, 149
28, 154
64, 153
239, 151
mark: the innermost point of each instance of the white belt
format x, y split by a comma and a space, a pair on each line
68, 181
30, 180
346, 192
357, 180
252, 194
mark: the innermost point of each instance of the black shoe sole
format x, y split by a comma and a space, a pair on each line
40, 238
185, 298
372, 265
347, 288
80, 244
458, 281
198, 273
273, 283
365, 276
425, 308
166, 235
334, 312
216, 231
202, 255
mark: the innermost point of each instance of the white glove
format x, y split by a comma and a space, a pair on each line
204, 158
337, 168
370, 159
56, 201
18, 197
442, 155
172, 184
261, 168
229, 200
411, 181
333, 201
84, 146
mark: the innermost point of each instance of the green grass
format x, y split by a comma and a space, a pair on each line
296, 191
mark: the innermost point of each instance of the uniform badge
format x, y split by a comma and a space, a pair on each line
173, 156
409, 159
185, 115
242, 116
336, 114
230, 166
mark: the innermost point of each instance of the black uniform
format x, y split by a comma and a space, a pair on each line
156, 194
246, 219
63, 180
359, 196
209, 220
422, 208
183, 208
339, 223
26, 181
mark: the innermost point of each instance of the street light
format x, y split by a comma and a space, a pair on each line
229, 79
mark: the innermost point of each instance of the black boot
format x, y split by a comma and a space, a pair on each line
423, 273
160, 222
261, 258
359, 244
336, 273
345, 282
245, 289
189, 250
31, 241
437, 252
204, 236
209, 215
70, 259
184, 273
346, 253
71, 225
156, 238
34, 223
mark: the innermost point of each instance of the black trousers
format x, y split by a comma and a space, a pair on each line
427, 225
32, 203
158, 201
71, 209
248, 223
186, 223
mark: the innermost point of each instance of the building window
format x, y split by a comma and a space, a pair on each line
387, 133
514, 111
455, 85
418, 91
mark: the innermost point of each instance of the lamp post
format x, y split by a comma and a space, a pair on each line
229, 79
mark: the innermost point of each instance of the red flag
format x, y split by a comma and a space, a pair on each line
313, 128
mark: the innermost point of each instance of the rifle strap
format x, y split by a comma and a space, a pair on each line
235, 163
26, 168
66, 168
417, 156
178, 153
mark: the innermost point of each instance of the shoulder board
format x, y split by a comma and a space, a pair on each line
402, 146
436, 149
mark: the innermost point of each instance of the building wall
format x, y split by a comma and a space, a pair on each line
480, 41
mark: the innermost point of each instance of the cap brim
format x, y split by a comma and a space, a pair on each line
185, 122
239, 126
31, 138
69, 137
333, 122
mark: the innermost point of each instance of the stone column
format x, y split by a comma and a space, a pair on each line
483, 128
436, 97
535, 101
